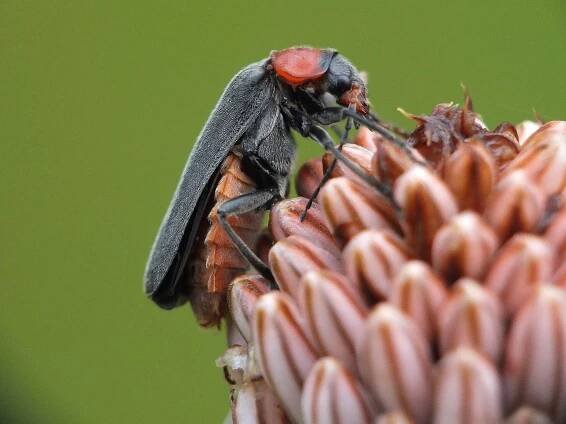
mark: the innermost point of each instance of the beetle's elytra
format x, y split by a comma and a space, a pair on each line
239, 167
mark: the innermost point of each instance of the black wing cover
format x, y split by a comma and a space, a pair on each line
243, 100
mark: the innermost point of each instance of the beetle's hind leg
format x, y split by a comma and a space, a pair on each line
240, 205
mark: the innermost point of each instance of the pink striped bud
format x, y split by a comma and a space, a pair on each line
332, 395
467, 390
519, 266
393, 418
309, 177
470, 173
285, 221
418, 292
463, 247
334, 315
555, 236
368, 139
515, 205
294, 256
543, 158
395, 363
254, 403
391, 161
471, 317
535, 359
356, 154
350, 208
525, 129
427, 204
243, 294
372, 259
528, 415
284, 352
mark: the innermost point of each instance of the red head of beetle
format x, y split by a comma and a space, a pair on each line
325, 69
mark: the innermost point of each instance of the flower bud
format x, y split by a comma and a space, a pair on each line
502, 147
525, 129
463, 247
467, 390
285, 221
519, 266
243, 294
391, 161
334, 315
294, 256
309, 177
254, 403
471, 317
555, 236
515, 205
372, 259
395, 363
470, 173
284, 352
426, 203
543, 158
368, 139
332, 395
418, 292
356, 154
263, 245
528, 415
350, 208
535, 358
393, 418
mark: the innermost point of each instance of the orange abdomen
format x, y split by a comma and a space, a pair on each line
216, 261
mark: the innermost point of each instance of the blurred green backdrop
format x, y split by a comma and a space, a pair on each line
100, 103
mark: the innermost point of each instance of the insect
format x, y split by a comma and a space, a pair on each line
240, 166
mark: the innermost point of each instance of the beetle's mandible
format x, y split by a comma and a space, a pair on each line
239, 167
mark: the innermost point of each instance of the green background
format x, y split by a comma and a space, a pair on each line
100, 103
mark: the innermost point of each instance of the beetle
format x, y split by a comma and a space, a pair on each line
240, 166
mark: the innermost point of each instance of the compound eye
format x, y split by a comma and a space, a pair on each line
343, 84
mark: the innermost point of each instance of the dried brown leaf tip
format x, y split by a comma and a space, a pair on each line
447, 305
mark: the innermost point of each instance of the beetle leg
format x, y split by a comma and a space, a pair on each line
326, 176
321, 136
240, 205
373, 124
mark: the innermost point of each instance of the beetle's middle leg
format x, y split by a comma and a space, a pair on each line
238, 206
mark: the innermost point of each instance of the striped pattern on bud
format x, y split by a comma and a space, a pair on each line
243, 294
294, 256
356, 154
284, 352
527, 415
516, 205
393, 418
467, 390
535, 360
418, 292
350, 208
525, 129
391, 161
471, 317
372, 258
520, 265
254, 403
309, 177
332, 395
334, 314
395, 363
368, 139
427, 204
543, 157
470, 173
463, 247
285, 221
